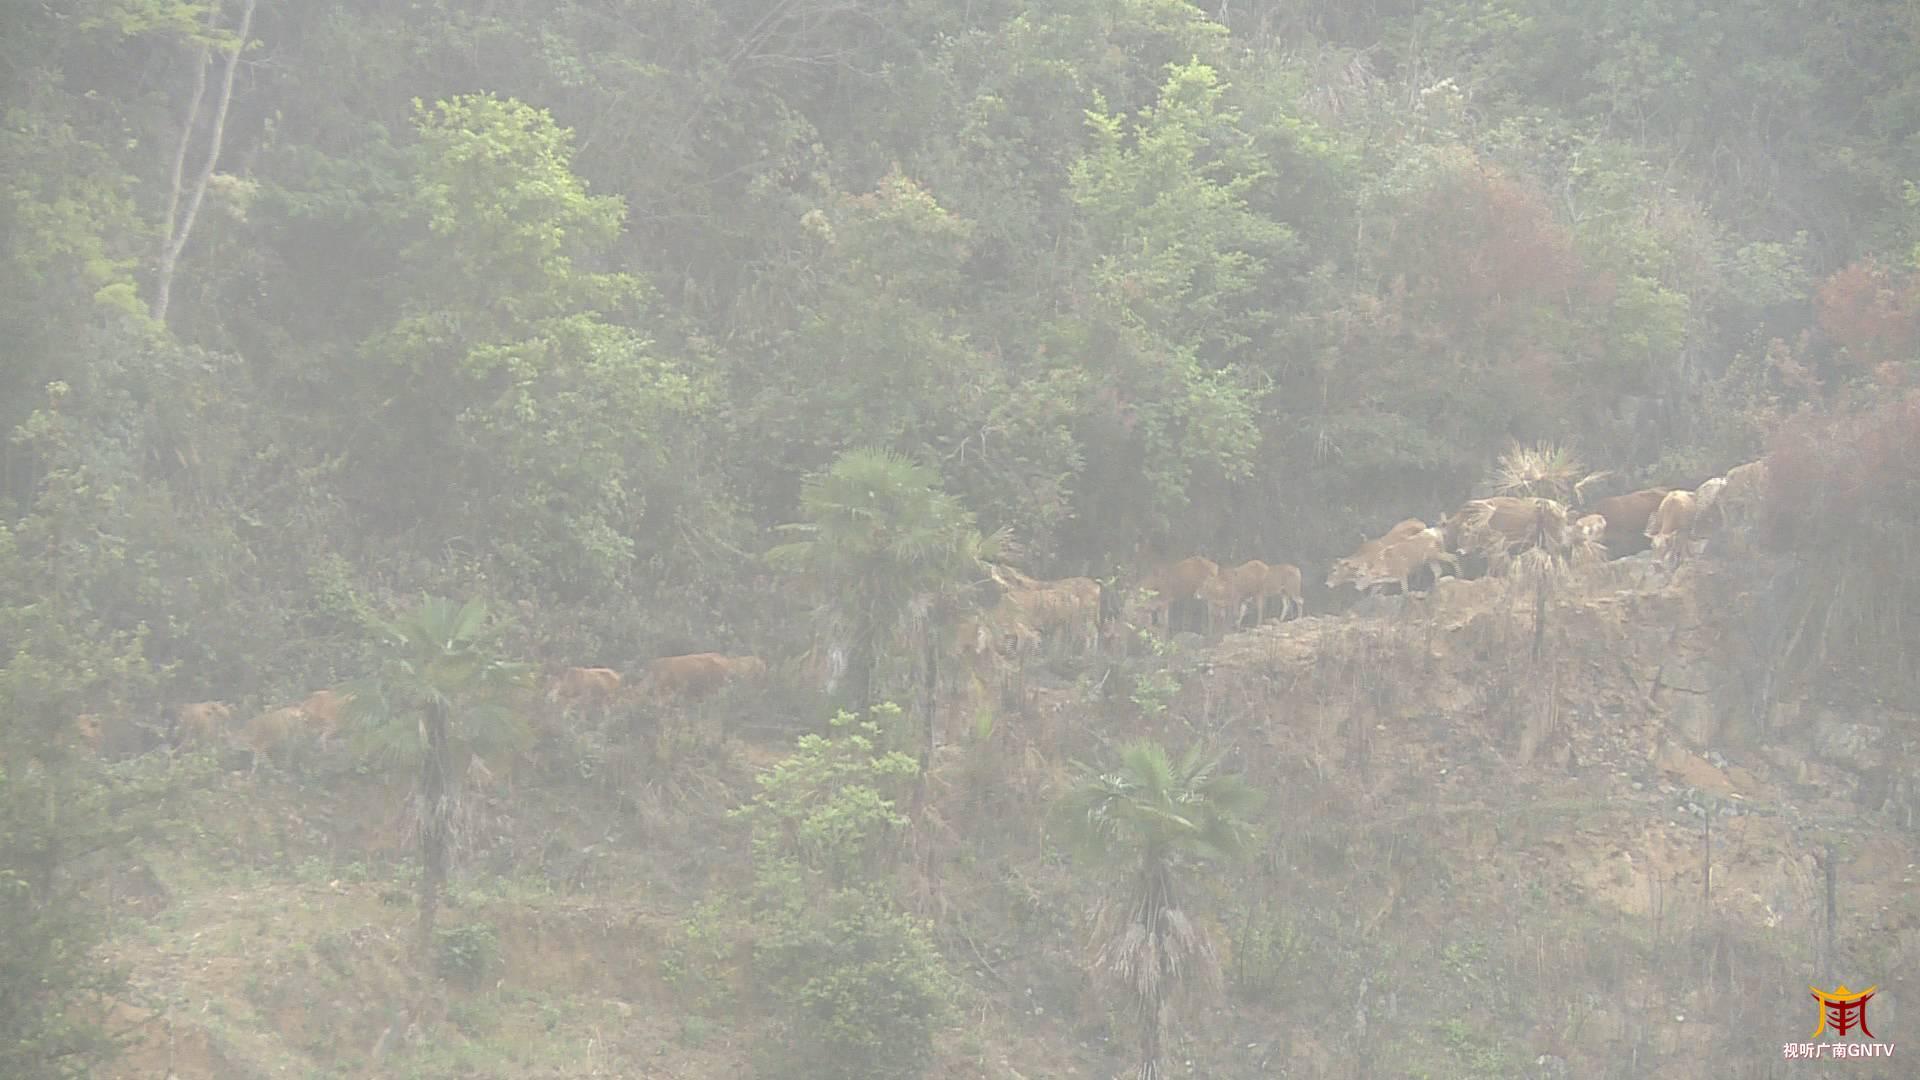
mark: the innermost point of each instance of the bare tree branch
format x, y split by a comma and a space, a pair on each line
177, 232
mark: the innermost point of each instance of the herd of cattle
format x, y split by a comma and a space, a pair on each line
315, 721
1500, 530
1077, 614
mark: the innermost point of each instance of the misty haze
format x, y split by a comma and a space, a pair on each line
937, 540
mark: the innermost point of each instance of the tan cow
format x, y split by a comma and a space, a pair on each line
697, 675
595, 686
1253, 582
1347, 569
1175, 582
1671, 529
204, 723
1395, 563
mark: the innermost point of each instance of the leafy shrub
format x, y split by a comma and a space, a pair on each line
864, 988
699, 962
859, 984
467, 953
1844, 496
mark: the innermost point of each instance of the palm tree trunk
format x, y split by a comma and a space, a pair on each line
433, 825
929, 698
1539, 619
858, 695
1150, 1051
1154, 900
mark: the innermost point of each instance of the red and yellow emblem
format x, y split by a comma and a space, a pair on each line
1844, 1009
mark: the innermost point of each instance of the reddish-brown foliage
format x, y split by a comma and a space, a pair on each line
1844, 497
1848, 487
1481, 240
1871, 313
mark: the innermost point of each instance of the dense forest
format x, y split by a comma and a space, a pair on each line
424, 349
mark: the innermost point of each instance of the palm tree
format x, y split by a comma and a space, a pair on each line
1546, 473
1541, 471
893, 553
438, 665
1151, 821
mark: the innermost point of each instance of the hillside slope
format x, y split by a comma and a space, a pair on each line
1476, 865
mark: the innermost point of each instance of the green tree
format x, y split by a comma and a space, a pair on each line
1151, 821
516, 388
66, 648
437, 699
862, 985
1172, 262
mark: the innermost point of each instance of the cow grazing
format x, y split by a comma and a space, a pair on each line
1671, 529
585, 686
1350, 568
1176, 582
203, 723
1253, 582
1627, 516
697, 675
1396, 563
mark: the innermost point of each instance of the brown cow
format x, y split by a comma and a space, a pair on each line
1504, 526
1671, 529
1175, 582
1627, 516
203, 723
696, 675
585, 686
